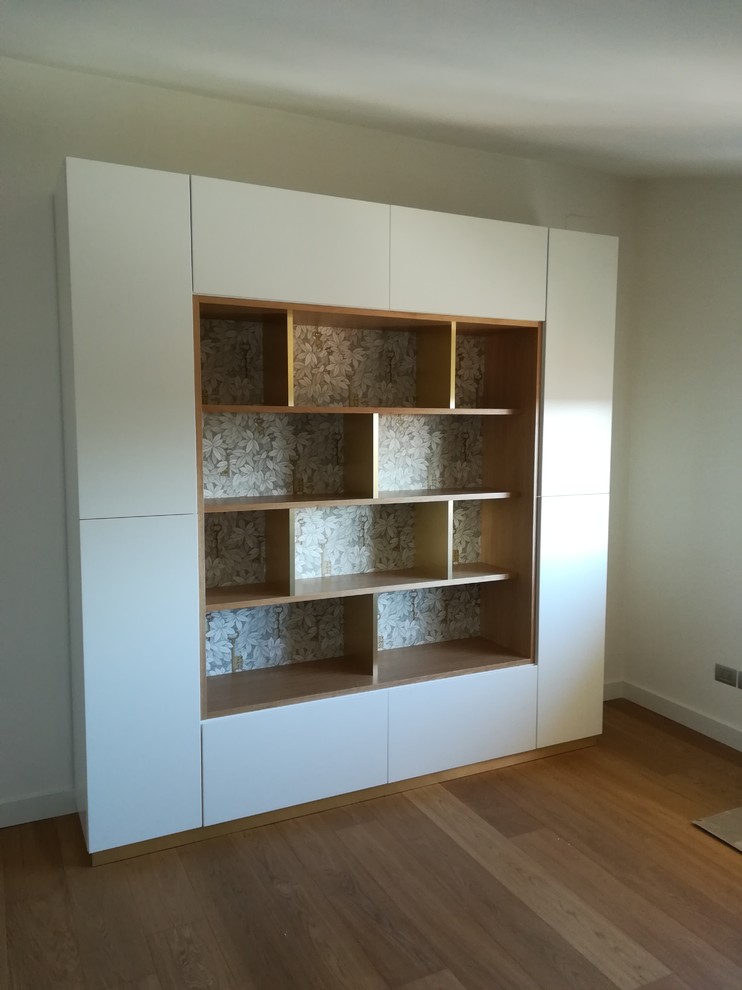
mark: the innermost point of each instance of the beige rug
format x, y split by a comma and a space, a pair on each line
727, 826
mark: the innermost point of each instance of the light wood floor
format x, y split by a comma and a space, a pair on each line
579, 872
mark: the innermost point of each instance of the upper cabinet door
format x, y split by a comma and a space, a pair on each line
257, 242
443, 263
578, 366
127, 331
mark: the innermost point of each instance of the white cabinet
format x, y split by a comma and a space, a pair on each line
124, 249
146, 764
460, 720
280, 757
256, 242
129, 408
578, 363
139, 581
571, 617
442, 263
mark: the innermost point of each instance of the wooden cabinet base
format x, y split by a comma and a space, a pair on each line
340, 800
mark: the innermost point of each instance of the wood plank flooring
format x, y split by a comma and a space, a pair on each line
577, 872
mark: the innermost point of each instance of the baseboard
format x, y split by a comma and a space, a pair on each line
707, 725
613, 690
33, 809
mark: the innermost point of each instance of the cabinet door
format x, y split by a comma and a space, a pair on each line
141, 647
571, 629
443, 263
280, 757
128, 339
277, 244
460, 720
578, 366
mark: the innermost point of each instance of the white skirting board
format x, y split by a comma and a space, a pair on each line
613, 690
33, 809
707, 725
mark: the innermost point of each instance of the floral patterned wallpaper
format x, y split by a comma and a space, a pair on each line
263, 454
271, 454
467, 532
354, 539
249, 638
234, 548
332, 366
338, 540
469, 371
429, 452
338, 367
430, 615
231, 362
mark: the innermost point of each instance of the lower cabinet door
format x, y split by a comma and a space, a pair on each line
280, 757
455, 721
137, 702
571, 625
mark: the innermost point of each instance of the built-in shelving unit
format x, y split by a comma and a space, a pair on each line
377, 471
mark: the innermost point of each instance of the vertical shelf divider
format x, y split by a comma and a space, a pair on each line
360, 626
361, 455
278, 359
280, 556
434, 538
200, 482
436, 367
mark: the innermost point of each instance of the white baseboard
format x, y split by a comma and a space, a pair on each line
613, 690
33, 809
707, 725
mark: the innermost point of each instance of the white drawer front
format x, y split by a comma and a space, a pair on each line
443, 263
279, 757
460, 720
263, 243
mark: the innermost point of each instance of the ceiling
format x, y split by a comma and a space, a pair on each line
639, 87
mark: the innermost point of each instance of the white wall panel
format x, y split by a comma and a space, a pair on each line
442, 263
258, 242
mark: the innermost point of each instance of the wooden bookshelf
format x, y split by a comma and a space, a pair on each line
498, 557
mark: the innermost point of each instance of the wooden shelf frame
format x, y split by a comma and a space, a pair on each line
435, 347
508, 405
269, 687
232, 597
269, 502
359, 410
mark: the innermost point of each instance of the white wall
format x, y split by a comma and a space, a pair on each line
46, 114
683, 532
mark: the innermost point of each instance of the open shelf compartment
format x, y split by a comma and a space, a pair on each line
245, 354
270, 655
265, 455
260, 658
372, 361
